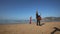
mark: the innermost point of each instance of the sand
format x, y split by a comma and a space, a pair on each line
47, 28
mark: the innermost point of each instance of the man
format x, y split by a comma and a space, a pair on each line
38, 17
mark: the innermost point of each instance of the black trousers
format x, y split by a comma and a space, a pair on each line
38, 22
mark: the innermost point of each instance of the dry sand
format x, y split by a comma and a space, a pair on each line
47, 28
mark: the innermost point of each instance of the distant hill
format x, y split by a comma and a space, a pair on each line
49, 19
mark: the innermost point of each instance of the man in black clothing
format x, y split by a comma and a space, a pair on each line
38, 17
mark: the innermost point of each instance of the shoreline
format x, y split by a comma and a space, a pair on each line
47, 28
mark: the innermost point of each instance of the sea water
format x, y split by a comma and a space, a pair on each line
14, 21
21, 21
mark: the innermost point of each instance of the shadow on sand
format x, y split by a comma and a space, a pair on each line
56, 29
42, 24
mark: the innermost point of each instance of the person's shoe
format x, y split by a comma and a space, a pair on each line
39, 25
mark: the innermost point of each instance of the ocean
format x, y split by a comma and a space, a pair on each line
20, 21
15, 21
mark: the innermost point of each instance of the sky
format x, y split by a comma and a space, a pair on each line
23, 9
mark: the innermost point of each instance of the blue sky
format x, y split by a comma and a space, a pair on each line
23, 9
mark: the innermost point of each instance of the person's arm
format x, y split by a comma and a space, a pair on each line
36, 15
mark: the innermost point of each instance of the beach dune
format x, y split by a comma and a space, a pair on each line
47, 28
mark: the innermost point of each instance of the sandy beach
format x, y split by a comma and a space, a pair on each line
47, 28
